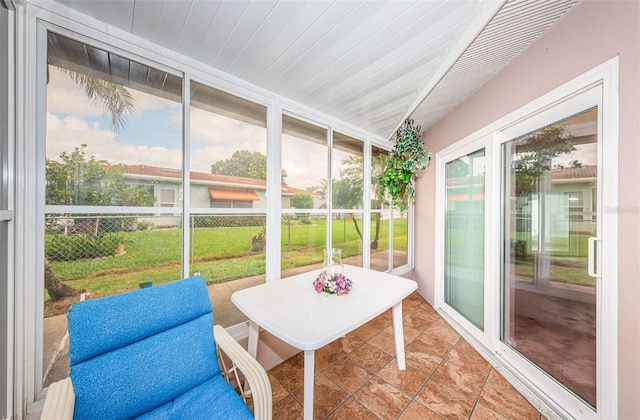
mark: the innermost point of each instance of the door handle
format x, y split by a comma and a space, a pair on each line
591, 257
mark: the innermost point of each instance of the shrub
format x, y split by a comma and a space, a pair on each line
520, 249
259, 241
228, 221
145, 225
81, 246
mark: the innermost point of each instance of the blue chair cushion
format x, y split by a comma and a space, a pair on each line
213, 400
169, 351
98, 326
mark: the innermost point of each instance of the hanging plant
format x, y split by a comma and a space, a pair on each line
407, 159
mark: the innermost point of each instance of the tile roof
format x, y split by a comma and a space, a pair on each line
587, 171
155, 171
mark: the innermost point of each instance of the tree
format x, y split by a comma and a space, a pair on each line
117, 101
457, 169
302, 201
535, 154
348, 189
245, 164
532, 165
78, 179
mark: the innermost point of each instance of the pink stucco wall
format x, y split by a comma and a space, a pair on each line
594, 32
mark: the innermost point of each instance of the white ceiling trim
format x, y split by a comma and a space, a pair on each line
366, 64
517, 25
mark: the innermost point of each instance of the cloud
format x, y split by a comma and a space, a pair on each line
71, 122
215, 137
305, 162
64, 96
65, 134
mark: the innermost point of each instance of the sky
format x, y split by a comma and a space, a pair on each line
152, 134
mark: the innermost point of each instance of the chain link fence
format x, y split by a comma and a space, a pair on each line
78, 237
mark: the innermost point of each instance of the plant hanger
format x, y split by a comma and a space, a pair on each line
407, 160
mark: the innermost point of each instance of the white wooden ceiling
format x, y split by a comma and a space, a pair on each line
368, 63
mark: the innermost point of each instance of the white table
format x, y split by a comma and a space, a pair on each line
291, 310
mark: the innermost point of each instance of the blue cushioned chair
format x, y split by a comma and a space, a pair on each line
151, 354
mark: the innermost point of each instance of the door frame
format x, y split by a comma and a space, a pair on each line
605, 78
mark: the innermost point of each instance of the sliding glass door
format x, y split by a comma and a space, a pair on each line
464, 236
527, 254
550, 227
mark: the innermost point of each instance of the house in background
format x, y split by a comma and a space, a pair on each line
208, 190
322, 86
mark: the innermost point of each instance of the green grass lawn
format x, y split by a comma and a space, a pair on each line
220, 254
559, 272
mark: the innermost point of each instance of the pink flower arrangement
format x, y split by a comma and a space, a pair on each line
333, 284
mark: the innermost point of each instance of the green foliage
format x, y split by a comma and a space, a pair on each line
226, 221
407, 159
219, 254
259, 242
535, 154
81, 246
305, 220
145, 225
302, 201
78, 179
242, 163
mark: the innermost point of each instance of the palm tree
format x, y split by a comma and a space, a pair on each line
351, 186
117, 102
115, 99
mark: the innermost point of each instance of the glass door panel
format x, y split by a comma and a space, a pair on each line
464, 236
550, 214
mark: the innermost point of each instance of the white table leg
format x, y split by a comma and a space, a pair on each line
252, 346
398, 335
309, 367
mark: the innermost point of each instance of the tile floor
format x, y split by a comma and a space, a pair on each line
357, 377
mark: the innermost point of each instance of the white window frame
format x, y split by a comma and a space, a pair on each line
32, 22
605, 77
460, 149
7, 223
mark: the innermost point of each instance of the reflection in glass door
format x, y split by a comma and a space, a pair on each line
464, 236
550, 217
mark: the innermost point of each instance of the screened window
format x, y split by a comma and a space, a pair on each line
305, 193
113, 140
228, 162
167, 198
228, 156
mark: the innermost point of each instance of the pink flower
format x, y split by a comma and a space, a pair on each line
332, 283
318, 285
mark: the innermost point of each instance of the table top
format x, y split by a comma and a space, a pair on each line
291, 309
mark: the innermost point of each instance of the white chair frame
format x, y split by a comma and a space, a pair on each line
60, 399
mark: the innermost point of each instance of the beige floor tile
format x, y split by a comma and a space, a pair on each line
352, 410
480, 412
385, 342
384, 400
370, 357
507, 401
460, 378
288, 408
357, 376
445, 401
327, 396
408, 381
348, 374
417, 411
278, 391
464, 355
